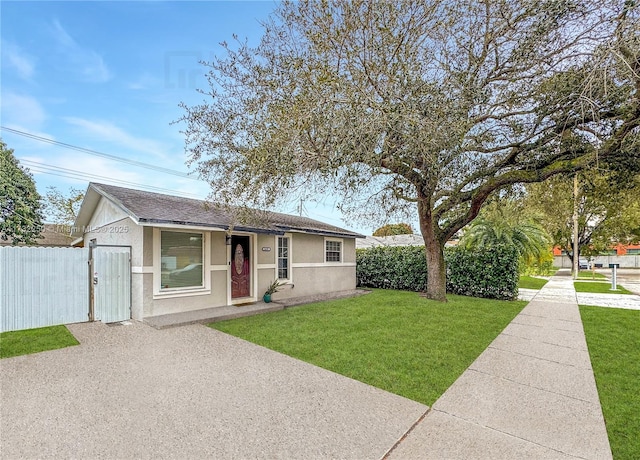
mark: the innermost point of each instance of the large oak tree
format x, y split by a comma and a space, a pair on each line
423, 106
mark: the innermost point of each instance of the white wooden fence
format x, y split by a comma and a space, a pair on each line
43, 287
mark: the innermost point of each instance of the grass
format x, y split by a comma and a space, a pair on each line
531, 282
587, 274
598, 288
16, 343
613, 338
394, 340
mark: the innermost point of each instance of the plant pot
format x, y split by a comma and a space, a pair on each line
266, 298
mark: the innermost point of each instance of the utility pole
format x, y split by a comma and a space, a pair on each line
575, 227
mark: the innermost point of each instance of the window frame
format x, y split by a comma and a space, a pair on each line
158, 290
340, 241
286, 236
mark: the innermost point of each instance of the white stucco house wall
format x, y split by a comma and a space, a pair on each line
188, 255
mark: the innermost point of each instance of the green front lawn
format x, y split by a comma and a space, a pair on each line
16, 343
613, 338
531, 282
394, 340
598, 288
589, 275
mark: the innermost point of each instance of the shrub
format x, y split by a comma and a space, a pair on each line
489, 273
542, 266
401, 267
480, 273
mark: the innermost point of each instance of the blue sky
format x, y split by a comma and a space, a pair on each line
108, 76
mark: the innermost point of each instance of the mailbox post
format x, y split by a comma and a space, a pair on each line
614, 275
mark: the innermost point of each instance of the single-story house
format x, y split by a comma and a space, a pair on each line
188, 255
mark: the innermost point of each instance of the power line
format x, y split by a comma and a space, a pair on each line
100, 154
73, 174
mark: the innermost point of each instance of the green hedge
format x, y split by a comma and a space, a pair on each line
491, 274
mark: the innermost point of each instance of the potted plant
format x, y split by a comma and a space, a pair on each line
273, 288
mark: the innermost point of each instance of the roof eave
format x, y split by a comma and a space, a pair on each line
186, 224
321, 232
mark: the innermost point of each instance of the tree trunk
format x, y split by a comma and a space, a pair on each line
434, 249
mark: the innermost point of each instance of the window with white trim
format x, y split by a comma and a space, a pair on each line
181, 260
333, 250
284, 271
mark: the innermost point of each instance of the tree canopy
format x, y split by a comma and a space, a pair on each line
394, 229
419, 107
606, 213
63, 208
20, 213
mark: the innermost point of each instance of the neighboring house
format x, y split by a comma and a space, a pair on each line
188, 255
625, 255
618, 249
395, 240
53, 235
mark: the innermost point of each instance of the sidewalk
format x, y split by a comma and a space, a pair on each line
530, 394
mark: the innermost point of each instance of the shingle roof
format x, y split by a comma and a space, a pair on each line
149, 208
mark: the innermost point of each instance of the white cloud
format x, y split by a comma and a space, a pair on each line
18, 60
66, 170
144, 82
79, 170
106, 131
22, 110
88, 63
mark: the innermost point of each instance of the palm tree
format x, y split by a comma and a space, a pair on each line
530, 239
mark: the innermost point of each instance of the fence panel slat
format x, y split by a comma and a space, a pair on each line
43, 287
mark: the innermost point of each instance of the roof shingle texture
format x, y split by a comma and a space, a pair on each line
150, 207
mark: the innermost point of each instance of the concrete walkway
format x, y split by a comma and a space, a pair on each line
626, 301
531, 394
215, 314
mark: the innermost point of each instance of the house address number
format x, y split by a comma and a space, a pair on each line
266, 249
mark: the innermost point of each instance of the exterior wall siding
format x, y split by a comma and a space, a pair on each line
319, 280
123, 232
310, 274
307, 248
267, 256
217, 298
349, 250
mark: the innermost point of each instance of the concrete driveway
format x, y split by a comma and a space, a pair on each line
131, 391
